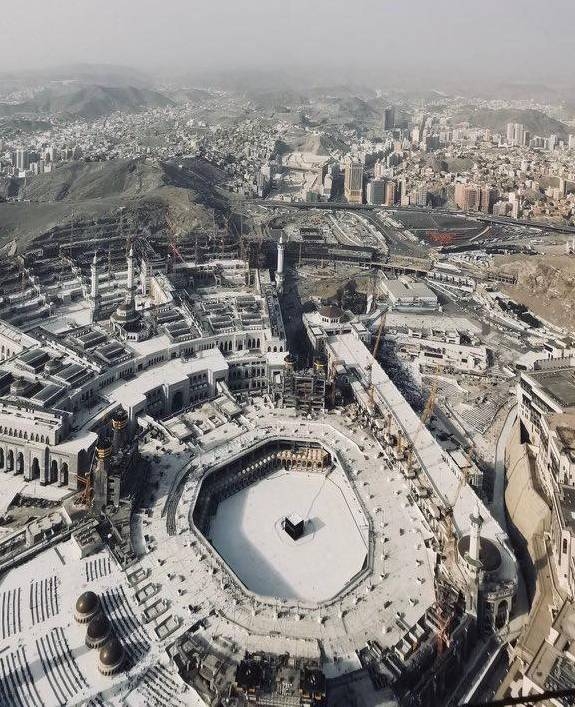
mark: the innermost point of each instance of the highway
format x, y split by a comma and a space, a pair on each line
341, 206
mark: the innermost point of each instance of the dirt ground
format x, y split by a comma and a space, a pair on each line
546, 285
325, 282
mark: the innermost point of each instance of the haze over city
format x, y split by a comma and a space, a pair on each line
444, 40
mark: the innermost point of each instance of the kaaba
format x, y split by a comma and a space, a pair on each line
293, 525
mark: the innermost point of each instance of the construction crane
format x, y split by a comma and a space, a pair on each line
423, 420
86, 496
172, 238
371, 290
442, 633
86, 482
374, 353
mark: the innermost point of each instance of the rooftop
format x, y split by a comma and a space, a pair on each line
558, 383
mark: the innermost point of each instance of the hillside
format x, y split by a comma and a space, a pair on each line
439, 163
79, 181
145, 190
314, 143
89, 102
545, 284
535, 121
338, 111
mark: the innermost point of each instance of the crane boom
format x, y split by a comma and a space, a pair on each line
424, 419
374, 353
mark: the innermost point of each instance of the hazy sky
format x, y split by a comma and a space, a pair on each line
515, 38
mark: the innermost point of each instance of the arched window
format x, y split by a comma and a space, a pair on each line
501, 616
64, 474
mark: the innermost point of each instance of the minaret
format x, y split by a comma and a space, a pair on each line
94, 278
475, 536
143, 277
280, 267
94, 288
131, 274
120, 430
102, 472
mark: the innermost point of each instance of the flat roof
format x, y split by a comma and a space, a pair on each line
558, 383
407, 288
174, 371
444, 481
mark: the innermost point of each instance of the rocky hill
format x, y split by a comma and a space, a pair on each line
535, 121
313, 143
545, 284
79, 181
146, 191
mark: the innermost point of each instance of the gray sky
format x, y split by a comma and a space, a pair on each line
510, 38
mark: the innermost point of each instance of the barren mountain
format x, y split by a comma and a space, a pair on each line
91, 101
145, 190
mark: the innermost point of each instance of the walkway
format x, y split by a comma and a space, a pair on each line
497, 505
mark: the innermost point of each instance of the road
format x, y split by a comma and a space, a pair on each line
485, 218
366, 208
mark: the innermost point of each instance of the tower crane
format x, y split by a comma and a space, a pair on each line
374, 353
172, 238
423, 420
371, 289
86, 482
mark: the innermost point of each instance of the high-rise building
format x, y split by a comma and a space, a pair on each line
389, 119
467, 197
419, 197
379, 169
515, 201
488, 196
375, 191
22, 160
552, 142
510, 133
52, 154
390, 193
515, 134
353, 182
